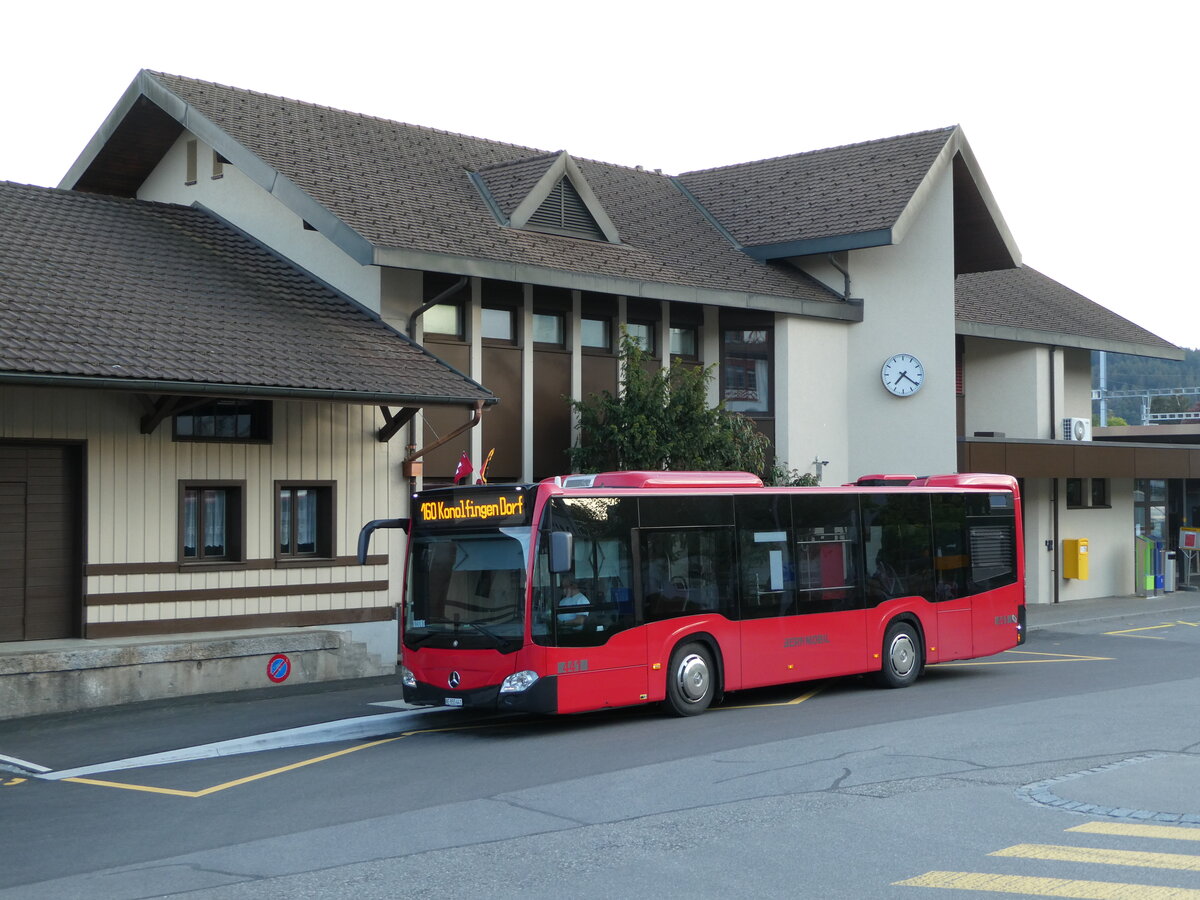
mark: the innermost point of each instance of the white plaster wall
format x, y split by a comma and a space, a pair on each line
811, 399
1041, 565
1004, 388
908, 307
1077, 384
239, 200
1109, 533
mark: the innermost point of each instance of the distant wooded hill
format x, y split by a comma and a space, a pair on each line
1127, 373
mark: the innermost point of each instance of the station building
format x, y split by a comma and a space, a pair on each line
511, 272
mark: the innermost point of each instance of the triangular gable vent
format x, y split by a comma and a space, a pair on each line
564, 211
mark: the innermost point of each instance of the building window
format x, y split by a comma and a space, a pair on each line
499, 325
1150, 507
685, 341
445, 318
595, 334
227, 421
746, 370
304, 520
210, 521
642, 334
1087, 493
548, 328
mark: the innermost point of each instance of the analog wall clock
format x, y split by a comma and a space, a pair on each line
903, 374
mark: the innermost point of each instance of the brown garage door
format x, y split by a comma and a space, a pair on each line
40, 528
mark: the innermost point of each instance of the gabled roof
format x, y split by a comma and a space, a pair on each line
857, 195
160, 298
400, 195
521, 192
1024, 305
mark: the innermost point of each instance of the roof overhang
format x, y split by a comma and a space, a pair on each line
1061, 339
1077, 459
982, 240
251, 391
835, 308
148, 119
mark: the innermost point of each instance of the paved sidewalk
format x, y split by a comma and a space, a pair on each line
1040, 616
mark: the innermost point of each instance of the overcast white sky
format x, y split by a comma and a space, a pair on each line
1083, 116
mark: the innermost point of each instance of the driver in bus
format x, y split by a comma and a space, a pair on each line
572, 596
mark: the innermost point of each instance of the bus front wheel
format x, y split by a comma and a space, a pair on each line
691, 680
901, 656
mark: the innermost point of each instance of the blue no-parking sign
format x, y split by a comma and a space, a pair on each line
279, 668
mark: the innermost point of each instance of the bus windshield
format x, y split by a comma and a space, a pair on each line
469, 588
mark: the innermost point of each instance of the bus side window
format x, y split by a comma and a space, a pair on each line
828, 553
686, 571
768, 571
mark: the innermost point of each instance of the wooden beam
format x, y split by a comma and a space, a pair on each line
395, 421
161, 408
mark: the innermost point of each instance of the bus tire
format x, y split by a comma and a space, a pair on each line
902, 656
691, 680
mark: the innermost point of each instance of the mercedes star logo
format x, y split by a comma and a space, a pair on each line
454, 679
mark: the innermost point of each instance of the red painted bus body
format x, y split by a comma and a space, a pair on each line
588, 592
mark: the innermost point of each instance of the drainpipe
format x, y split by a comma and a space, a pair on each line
1054, 498
845, 277
409, 467
413, 471
440, 298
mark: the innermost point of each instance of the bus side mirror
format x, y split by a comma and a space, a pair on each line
364, 536
562, 551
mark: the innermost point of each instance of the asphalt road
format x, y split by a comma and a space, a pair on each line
968, 782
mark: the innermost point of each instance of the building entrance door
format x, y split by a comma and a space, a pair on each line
40, 552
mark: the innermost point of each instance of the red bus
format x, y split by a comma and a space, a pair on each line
586, 592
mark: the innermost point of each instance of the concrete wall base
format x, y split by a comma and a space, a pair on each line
43, 677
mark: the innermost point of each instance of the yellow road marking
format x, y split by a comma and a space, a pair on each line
1164, 832
12, 782
1131, 632
1048, 887
173, 792
799, 699
1049, 658
1179, 861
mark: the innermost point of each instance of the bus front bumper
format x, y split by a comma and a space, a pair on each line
540, 697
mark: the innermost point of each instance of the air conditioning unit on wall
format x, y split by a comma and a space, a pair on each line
1077, 429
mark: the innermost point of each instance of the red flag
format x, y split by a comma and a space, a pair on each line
483, 469
464, 468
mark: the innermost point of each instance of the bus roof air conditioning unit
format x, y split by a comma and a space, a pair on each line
1077, 429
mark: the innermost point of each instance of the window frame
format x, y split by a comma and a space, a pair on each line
514, 338
235, 522
262, 421
326, 542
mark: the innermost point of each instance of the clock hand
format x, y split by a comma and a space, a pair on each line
904, 375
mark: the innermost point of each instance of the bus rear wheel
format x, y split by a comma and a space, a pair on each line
691, 680
901, 656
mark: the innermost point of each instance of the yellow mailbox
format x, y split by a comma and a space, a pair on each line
1075, 558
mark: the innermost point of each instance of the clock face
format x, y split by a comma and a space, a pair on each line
903, 374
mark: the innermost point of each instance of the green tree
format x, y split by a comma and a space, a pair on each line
661, 420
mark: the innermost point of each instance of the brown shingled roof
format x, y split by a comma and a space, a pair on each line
1023, 299
151, 293
823, 193
407, 187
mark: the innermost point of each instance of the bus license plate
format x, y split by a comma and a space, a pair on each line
454, 701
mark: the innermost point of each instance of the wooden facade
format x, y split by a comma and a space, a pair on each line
77, 478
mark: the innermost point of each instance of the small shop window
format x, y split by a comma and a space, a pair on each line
444, 319
685, 341
499, 324
548, 328
225, 421
642, 334
304, 520
210, 521
596, 334
1088, 493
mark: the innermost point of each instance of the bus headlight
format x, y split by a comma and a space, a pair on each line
407, 678
518, 681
